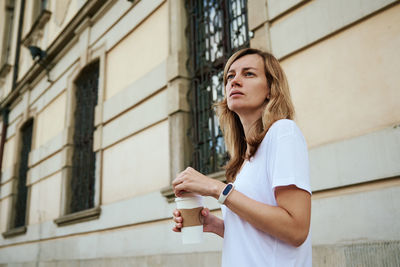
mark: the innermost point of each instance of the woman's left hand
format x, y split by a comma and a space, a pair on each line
192, 181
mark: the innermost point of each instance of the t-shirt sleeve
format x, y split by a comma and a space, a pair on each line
290, 160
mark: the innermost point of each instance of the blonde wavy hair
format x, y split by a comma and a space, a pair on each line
278, 106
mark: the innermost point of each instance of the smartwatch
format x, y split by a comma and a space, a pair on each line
225, 193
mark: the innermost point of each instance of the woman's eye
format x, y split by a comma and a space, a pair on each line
230, 76
249, 74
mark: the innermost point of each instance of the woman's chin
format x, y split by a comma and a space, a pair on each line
238, 108
235, 107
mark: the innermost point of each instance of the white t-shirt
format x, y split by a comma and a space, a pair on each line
281, 159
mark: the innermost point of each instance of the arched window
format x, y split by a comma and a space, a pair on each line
18, 218
82, 182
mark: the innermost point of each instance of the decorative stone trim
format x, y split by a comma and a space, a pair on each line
36, 31
78, 217
4, 70
14, 232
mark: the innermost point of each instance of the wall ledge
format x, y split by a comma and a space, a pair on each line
78, 217
15, 232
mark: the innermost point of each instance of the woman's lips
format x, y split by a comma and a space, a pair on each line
235, 93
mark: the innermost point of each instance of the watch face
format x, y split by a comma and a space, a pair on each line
227, 189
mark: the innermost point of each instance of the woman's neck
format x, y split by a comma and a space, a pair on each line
248, 121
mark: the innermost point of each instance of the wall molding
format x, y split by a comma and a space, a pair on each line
307, 25
369, 157
135, 93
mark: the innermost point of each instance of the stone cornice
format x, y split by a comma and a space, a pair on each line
38, 26
89, 9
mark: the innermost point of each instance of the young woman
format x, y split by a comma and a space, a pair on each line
267, 208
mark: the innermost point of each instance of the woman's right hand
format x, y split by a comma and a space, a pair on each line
211, 223
178, 221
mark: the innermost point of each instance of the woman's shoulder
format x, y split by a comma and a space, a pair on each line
279, 129
283, 127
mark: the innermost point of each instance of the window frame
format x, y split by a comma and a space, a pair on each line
67, 218
13, 230
205, 149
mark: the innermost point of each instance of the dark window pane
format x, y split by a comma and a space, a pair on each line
83, 160
22, 190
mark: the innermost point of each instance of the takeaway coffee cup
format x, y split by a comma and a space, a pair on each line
190, 208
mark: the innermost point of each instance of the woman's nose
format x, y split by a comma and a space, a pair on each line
236, 81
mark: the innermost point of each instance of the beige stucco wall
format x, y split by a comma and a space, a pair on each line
138, 53
44, 204
4, 212
348, 85
50, 121
9, 153
137, 165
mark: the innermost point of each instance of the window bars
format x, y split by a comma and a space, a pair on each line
82, 184
216, 29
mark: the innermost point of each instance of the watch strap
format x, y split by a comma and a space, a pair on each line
225, 193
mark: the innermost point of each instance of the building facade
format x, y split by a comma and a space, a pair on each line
103, 103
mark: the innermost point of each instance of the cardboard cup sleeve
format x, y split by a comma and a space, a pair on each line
191, 217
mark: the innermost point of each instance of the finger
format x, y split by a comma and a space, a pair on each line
180, 187
178, 179
178, 193
176, 213
190, 169
176, 230
178, 219
205, 212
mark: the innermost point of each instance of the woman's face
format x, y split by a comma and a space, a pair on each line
246, 88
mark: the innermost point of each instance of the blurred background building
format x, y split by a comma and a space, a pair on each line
103, 102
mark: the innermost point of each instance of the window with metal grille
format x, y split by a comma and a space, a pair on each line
216, 29
82, 184
19, 218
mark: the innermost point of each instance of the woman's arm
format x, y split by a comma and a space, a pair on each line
289, 221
